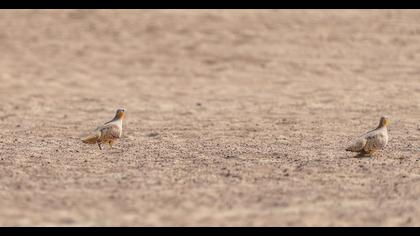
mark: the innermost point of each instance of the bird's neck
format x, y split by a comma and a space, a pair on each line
381, 126
115, 119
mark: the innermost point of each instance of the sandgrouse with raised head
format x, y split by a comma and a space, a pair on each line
108, 132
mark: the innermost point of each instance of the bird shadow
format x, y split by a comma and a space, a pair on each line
358, 156
116, 151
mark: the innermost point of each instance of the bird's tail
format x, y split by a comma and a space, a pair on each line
90, 139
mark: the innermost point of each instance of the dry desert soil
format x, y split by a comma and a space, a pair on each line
234, 117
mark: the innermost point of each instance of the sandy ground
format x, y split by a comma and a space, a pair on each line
235, 117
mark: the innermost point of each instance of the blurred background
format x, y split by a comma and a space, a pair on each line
235, 117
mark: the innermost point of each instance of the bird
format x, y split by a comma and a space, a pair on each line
373, 140
108, 132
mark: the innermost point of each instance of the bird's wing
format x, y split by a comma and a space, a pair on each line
110, 131
357, 145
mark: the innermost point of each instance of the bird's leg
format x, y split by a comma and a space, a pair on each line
110, 142
99, 145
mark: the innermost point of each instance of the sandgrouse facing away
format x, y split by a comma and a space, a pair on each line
108, 132
373, 140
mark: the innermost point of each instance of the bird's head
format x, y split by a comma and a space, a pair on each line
120, 114
384, 121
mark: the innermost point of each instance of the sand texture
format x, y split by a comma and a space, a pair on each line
234, 117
